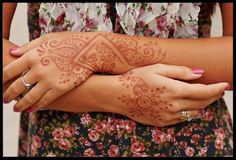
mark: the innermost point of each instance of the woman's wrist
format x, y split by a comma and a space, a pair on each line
94, 95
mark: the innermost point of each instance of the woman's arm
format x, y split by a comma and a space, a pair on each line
148, 95
8, 12
86, 98
227, 18
116, 53
102, 44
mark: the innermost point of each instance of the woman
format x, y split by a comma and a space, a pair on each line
156, 96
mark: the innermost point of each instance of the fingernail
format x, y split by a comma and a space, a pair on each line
222, 94
227, 87
14, 50
15, 109
5, 100
30, 109
197, 71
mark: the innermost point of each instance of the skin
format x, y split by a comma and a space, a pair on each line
216, 92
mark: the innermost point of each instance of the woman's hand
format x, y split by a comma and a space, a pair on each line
151, 95
50, 60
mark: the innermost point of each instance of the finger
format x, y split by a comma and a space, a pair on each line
177, 72
47, 99
31, 97
187, 104
176, 118
17, 87
28, 46
201, 91
15, 68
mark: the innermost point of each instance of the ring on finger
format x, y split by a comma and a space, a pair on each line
185, 116
28, 86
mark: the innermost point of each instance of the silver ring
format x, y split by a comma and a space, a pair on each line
28, 86
185, 116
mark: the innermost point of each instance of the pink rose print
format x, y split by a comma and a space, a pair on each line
187, 131
91, 23
130, 126
220, 133
86, 119
137, 147
208, 139
69, 131
219, 144
58, 133
203, 151
64, 144
100, 126
161, 23
159, 136
114, 151
36, 141
189, 151
208, 115
195, 139
183, 144
93, 135
89, 152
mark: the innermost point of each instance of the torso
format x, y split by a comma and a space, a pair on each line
53, 133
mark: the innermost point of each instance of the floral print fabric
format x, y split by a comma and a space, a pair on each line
54, 133
148, 19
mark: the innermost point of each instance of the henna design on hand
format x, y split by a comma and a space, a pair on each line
144, 99
77, 56
62, 54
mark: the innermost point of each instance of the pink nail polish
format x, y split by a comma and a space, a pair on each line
222, 94
227, 87
14, 50
30, 109
197, 71
15, 109
5, 100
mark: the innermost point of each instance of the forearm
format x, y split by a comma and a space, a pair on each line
125, 52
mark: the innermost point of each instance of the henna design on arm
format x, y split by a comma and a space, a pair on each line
78, 55
143, 99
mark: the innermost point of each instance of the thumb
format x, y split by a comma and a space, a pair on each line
177, 72
19, 51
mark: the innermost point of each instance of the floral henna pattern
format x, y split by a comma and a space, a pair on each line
136, 54
62, 54
144, 99
78, 56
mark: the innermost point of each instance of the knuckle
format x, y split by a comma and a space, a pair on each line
27, 100
42, 102
39, 74
13, 90
32, 58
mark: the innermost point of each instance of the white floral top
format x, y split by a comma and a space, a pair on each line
175, 20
